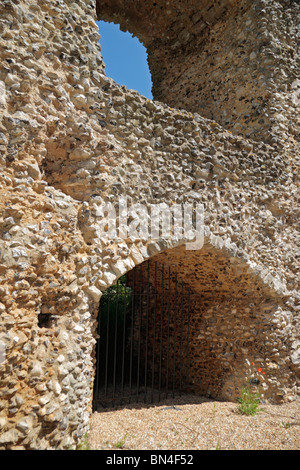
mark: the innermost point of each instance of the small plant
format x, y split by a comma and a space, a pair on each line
249, 402
252, 392
84, 445
286, 425
120, 444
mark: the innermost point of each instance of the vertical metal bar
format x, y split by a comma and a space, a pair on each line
146, 333
174, 343
124, 335
168, 332
161, 330
107, 342
154, 331
140, 331
181, 340
116, 342
132, 333
188, 339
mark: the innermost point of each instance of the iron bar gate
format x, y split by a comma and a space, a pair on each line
144, 327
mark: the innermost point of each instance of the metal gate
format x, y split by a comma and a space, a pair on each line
143, 349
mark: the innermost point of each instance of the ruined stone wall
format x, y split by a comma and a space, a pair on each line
231, 61
71, 139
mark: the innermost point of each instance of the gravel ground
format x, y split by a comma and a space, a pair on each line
195, 423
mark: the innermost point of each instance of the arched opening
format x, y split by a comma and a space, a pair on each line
187, 322
143, 352
195, 60
125, 58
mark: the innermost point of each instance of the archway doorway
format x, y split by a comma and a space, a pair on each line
195, 321
143, 350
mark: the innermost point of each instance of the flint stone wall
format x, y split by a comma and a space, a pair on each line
71, 139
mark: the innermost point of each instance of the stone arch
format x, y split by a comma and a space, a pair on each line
233, 312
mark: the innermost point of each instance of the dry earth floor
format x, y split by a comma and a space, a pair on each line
195, 423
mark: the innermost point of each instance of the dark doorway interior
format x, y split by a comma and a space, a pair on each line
143, 350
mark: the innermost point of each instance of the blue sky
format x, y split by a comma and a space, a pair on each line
125, 58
